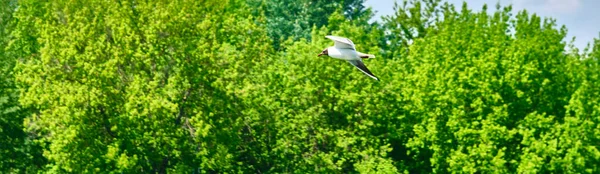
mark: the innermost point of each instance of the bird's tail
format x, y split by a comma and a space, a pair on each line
365, 56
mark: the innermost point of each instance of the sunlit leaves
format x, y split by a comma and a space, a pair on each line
139, 86
18, 152
490, 99
236, 86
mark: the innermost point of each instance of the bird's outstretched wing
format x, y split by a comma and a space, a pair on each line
342, 42
361, 66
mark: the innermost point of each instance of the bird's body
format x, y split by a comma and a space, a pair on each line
344, 49
343, 54
347, 54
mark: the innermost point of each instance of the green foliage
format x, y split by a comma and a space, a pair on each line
134, 86
295, 18
18, 152
237, 87
484, 94
412, 19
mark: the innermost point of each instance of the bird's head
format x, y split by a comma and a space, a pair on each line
324, 53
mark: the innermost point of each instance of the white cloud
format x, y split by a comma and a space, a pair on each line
563, 5
550, 6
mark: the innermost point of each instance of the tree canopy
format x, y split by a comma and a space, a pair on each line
235, 86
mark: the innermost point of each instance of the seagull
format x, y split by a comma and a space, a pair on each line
344, 49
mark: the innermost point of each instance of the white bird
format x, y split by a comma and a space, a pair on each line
344, 49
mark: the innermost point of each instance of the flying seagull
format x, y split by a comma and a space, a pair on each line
344, 49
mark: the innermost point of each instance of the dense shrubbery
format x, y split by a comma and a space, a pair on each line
226, 86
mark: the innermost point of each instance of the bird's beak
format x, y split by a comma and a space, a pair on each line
320, 54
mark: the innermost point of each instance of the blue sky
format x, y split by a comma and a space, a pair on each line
581, 17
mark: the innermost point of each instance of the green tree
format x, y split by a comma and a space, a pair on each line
488, 94
575, 143
325, 112
412, 19
295, 18
236, 87
18, 152
136, 86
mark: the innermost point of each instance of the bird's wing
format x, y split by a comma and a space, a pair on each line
342, 42
361, 66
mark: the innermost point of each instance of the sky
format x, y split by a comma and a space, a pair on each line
581, 17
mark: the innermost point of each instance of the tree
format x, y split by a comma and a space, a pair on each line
488, 94
577, 135
236, 87
135, 86
412, 19
295, 19
18, 153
